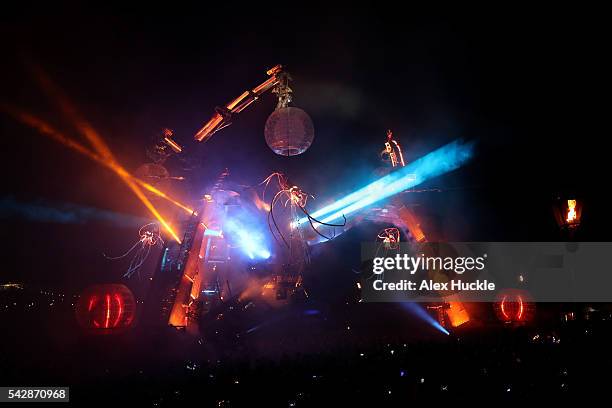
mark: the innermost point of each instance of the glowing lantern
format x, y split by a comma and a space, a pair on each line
568, 213
514, 307
289, 131
106, 307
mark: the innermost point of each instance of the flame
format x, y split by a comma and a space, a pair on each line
457, 314
571, 210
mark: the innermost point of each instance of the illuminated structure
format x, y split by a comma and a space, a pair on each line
295, 199
289, 130
163, 146
456, 312
390, 238
451, 312
187, 279
192, 267
393, 151
223, 115
190, 278
289, 236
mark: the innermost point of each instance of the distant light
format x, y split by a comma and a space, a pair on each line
311, 312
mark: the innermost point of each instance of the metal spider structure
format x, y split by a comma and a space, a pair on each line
393, 151
293, 197
163, 146
390, 238
150, 236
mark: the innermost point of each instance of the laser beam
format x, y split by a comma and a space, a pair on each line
442, 160
98, 143
47, 130
132, 182
421, 313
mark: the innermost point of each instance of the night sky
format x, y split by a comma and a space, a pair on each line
519, 84
524, 85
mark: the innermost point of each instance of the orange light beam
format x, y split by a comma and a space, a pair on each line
126, 177
97, 142
48, 130
120, 171
161, 194
55, 94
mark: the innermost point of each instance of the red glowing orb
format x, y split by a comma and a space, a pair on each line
106, 307
514, 306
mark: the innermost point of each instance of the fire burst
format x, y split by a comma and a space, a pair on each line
571, 211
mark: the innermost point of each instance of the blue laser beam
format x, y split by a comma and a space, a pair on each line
250, 240
421, 313
64, 213
442, 160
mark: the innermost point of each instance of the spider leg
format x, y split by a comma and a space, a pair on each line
312, 220
271, 216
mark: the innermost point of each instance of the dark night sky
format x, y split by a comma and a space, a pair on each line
520, 85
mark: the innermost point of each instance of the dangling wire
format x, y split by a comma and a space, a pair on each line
312, 221
149, 236
295, 197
